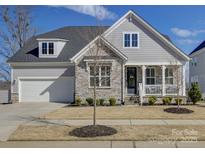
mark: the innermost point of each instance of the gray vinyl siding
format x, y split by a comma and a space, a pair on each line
199, 70
150, 48
40, 72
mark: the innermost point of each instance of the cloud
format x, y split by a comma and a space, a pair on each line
187, 41
98, 11
185, 32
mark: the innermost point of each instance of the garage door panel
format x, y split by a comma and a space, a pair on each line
47, 90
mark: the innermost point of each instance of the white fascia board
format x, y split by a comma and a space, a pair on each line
91, 44
151, 63
28, 64
84, 50
51, 39
114, 49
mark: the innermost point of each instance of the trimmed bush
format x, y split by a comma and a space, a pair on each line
180, 101
152, 100
167, 100
97, 102
102, 101
194, 93
112, 101
78, 100
89, 101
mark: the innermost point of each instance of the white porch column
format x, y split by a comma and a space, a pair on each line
163, 81
143, 79
184, 80
123, 82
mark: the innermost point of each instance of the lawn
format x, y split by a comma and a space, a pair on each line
138, 133
125, 112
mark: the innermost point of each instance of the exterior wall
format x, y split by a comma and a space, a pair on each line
150, 48
4, 96
18, 72
198, 71
82, 79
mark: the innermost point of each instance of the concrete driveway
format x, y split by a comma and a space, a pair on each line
12, 115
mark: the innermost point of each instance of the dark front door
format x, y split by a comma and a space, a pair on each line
131, 80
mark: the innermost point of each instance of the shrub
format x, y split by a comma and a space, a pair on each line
180, 100
97, 102
112, 101
167, 100
152, 100
78, 101
89, 101
102, 101
194, 93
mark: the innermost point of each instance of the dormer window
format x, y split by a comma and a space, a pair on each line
51, 48
47, 48
131, 40
44, 48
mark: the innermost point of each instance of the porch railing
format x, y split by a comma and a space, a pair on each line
171, 89
153, 89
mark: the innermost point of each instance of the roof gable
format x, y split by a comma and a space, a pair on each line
202, 45
161, 37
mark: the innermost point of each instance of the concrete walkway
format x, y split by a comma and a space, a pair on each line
13, 115
116, 122
100, 144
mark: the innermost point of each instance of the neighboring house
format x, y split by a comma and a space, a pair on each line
196, 66
135, 59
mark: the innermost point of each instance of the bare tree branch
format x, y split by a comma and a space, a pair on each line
16, 30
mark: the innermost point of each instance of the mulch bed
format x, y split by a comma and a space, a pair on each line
93, 131
177, 110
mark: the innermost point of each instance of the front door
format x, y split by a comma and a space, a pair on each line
131, 80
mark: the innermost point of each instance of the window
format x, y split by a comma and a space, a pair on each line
47, 48
102, 76
44, 48
169, 79
134, 40
150, 76
127, 40
51, 48
131, 40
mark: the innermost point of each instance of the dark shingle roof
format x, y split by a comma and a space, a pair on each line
202, 45
77, 36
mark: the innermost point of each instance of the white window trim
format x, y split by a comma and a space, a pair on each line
131, 47
150, 77
100, 87
41, 55
169, 77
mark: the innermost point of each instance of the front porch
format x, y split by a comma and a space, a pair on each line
158, 80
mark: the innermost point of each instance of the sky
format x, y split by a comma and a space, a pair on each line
185, 25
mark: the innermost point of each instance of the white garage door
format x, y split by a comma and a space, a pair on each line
46, 90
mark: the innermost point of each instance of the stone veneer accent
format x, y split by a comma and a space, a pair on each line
14, 98
82, 78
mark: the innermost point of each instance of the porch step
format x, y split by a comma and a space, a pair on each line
130, 100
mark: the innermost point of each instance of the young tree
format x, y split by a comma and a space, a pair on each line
178, 79
195, 93
15, 30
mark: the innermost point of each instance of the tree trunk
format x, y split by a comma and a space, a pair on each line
94, 96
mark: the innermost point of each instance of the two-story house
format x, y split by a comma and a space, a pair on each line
134, 60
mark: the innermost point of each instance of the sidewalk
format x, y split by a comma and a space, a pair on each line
116, 122
100, 144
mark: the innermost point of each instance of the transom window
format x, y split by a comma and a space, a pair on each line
150, 76
131, 40
102, 76
47, 48
169, 78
